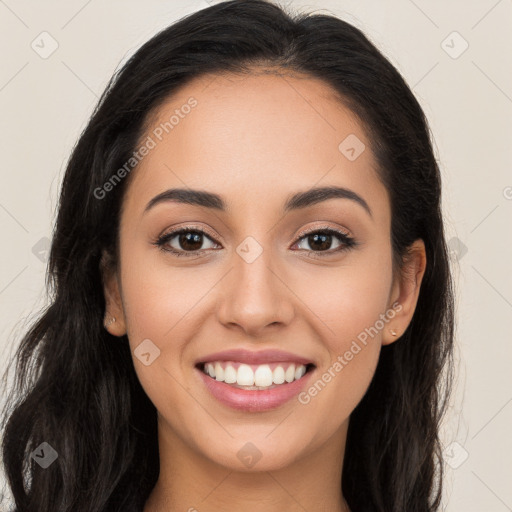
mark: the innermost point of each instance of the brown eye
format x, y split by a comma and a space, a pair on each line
183, 241
190, 241
321, 240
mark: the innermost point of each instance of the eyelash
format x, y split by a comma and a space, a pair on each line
347, 241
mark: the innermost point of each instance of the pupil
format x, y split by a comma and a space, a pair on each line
188, 239
323, 245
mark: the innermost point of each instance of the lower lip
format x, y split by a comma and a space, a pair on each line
254, 400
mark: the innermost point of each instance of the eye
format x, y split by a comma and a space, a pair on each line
321, 241
188, 239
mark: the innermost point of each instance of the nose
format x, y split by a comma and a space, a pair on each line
255, 296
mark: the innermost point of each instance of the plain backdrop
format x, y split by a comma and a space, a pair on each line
457, 58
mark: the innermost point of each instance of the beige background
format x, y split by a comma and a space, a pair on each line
467, 96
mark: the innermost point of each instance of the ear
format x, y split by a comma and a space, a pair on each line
111, 289
406, 290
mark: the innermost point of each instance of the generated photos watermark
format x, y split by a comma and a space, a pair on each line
343, 360
145, 148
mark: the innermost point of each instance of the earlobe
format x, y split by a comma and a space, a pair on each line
113, 321
406, 290
389, 336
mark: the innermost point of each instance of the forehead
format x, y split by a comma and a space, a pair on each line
259, 135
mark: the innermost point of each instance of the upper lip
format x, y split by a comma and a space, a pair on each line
252, 357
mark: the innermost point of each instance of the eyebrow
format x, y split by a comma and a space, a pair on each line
297, 201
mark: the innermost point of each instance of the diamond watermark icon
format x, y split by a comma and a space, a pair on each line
249, 454
41, 248
44, 455
454, 45
249, 249
455, 455
146, 352
351, 147
44, 45
457, 248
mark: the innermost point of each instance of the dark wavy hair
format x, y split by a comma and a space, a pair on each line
75, 385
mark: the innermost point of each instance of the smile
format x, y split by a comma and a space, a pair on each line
254, 377
254, 388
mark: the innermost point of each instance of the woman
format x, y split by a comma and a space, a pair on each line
252, 303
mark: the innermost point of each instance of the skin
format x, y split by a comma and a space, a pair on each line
255, 140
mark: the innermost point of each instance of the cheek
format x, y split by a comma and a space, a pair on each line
159, 298
347, 299
352, 313
337, 389
159, 309
161, 305
348, 306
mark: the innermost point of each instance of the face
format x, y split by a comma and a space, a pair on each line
257, 268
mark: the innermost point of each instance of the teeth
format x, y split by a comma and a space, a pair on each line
262, 375
278, 377
290, 373
300, 371
255, 376
219, 372
230, 375
244, 375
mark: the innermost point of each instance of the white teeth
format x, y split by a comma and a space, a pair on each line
230, 375
261, 378
290, 373
244, 375
299, 372
219, 372
278, 377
